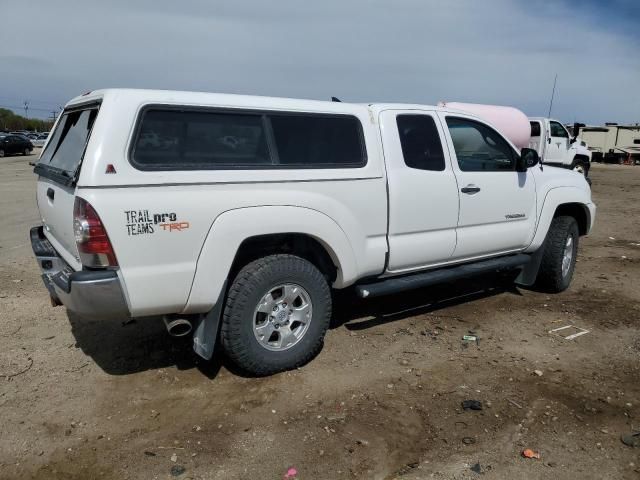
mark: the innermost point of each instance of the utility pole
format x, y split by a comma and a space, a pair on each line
26, 108
553, 92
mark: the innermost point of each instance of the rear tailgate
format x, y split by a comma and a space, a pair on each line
55, 203
58, 170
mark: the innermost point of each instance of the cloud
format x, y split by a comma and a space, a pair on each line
504, 52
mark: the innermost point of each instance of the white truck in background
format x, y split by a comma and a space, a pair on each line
557, 147
548, 137
235, 216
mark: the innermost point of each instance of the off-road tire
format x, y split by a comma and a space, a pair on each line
248, 287
550, 277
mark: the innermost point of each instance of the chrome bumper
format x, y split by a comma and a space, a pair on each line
93, 294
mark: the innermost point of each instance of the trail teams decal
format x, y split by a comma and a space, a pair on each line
141, 222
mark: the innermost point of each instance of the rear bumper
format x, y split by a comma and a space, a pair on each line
93, 294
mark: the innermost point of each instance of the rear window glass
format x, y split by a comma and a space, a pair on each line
317, 141
170, 139
535, 129
67, 145
200, 139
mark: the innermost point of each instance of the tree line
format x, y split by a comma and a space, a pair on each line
10, 121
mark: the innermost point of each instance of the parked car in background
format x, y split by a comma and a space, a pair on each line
40, 140
14, 144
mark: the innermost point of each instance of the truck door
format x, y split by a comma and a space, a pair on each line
497, 204
558, 143
423, 193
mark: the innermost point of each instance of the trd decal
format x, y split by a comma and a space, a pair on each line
141, 222
175, 226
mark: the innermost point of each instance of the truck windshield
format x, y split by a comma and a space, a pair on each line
66, 148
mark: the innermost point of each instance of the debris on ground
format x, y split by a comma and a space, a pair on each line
538, 372
174, 458
578, 332
472, 405
528, 453
476, 468
515, 404
468, 440
631, 440
177, 470
291, 473
470, 337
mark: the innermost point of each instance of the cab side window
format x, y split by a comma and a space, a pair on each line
558, 130
421, 145
535, 129
479, 148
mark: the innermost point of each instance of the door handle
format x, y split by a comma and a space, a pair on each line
470, 189
50, 193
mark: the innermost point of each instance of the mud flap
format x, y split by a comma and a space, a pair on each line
206, 332
529, 272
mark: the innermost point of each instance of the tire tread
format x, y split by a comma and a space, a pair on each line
238, 296
550, 274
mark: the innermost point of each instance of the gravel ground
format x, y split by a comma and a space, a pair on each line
84, 400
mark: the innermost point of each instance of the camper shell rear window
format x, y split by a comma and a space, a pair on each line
63, 155
178, 138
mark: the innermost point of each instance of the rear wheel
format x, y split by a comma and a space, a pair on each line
276, 315
1, 153
559, 256
26, 152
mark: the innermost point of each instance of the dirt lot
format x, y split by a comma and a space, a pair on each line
83, 400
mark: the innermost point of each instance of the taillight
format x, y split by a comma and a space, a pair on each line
91, 237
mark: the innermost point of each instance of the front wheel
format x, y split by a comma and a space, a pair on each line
276, 314
26, 152
559, 256
1, 153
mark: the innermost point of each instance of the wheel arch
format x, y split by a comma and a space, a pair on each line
570, 201
242, 235
304, 245
578, 211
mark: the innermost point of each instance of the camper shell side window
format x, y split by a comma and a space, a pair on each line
203, 138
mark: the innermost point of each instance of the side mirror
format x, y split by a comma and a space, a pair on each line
527, 159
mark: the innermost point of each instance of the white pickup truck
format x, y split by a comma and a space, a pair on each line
556, 147
235, 216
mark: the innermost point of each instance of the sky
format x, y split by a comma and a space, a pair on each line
503, 52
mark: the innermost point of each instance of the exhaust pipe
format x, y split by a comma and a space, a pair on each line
177, 327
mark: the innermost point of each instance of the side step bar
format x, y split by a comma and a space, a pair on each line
432, 277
